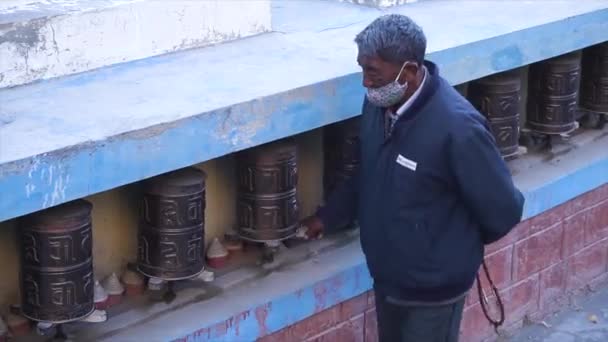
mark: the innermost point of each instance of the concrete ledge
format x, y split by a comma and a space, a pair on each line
68, 138
44, 39
329, 271
550, 179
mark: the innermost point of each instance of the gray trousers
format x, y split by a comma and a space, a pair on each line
398, 323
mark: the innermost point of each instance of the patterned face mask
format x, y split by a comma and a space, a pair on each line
390, 94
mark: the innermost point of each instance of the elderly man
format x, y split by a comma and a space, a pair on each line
431, 190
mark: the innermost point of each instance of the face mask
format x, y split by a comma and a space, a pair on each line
390, 94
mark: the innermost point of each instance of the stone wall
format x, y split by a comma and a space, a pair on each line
537, 267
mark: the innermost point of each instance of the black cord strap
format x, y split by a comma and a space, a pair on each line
483, 300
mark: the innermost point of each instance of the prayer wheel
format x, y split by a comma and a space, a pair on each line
57, 263
341, 151
594, 79
267, 207
552, 96
498, 97
172, 225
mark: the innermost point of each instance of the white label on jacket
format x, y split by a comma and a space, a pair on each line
410, 164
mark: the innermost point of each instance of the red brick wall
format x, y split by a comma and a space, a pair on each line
351, 321
536, 267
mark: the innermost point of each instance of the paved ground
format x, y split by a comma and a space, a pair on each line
586, 320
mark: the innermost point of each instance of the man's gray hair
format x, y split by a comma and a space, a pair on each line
394, 38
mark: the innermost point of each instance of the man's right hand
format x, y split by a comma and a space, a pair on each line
313, 227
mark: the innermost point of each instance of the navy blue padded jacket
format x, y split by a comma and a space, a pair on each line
428, 197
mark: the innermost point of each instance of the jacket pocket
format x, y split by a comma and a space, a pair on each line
409, 236
410, 259
408, 239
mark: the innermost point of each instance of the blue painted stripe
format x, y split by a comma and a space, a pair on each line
287, 310
296, 306
42, 181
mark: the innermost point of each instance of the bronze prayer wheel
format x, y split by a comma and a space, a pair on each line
498, 98
552, 96
594, 79
341, 152
57, 263
267, 207
172, 225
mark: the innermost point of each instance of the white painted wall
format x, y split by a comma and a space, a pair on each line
41, 39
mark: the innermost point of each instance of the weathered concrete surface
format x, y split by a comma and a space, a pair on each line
71, 137
584, 320
380, 3
51, 38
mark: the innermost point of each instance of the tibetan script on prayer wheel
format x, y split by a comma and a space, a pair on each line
552, 96
267, 208
594, 79
171, 230
341, 151
57, 263
498, 98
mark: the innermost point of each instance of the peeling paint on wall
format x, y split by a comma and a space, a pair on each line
55, 176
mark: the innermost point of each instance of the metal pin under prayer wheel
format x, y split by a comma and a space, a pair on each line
593, 98
56, 279
552, 95
267, 208
498, 97
171, 230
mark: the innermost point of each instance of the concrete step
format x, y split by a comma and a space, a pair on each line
585, 318
52, 38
